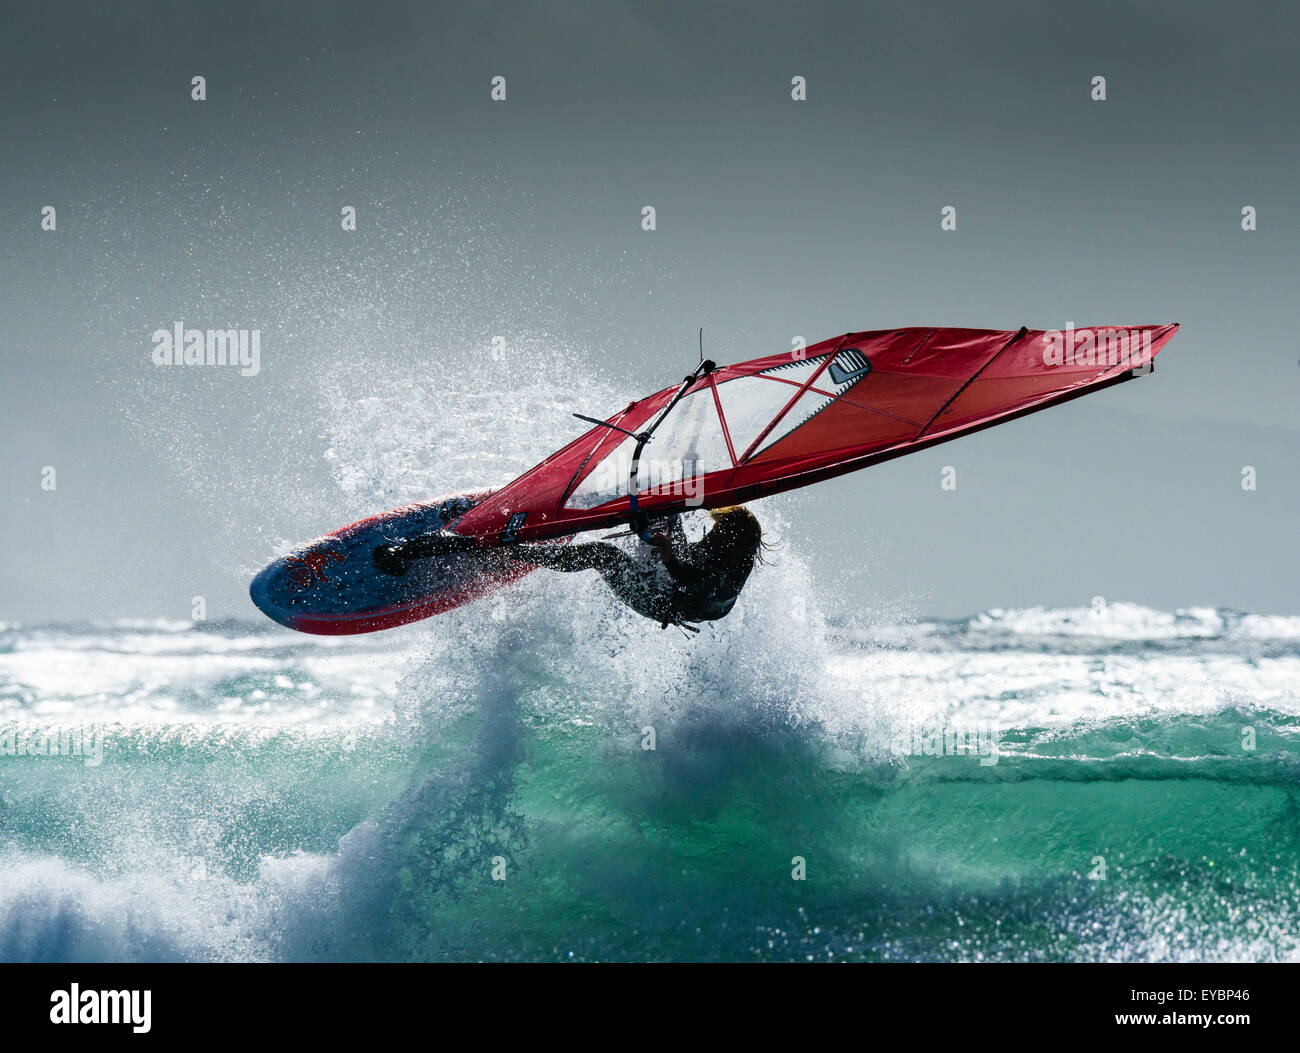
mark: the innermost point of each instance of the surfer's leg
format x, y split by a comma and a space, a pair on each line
632, 582
636, 583
595, 555
396, 557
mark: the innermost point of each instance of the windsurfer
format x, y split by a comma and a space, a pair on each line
675, 581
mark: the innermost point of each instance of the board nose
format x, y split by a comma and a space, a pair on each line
263, 590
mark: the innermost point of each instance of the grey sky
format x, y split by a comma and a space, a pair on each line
521, 218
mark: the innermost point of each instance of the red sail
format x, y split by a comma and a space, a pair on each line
785, 421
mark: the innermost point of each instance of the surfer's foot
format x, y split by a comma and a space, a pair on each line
438, 543
390, 559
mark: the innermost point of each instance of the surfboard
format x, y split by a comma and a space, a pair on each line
724, 435
330, 586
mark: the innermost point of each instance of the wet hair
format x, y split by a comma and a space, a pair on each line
736, 537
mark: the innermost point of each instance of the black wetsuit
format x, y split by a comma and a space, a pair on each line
672, 586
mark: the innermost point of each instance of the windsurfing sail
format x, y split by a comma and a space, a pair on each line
739, 432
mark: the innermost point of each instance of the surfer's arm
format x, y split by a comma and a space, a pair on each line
682, 573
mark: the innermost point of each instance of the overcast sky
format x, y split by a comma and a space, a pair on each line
521, 218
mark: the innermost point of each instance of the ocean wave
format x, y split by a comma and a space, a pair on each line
543, 775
